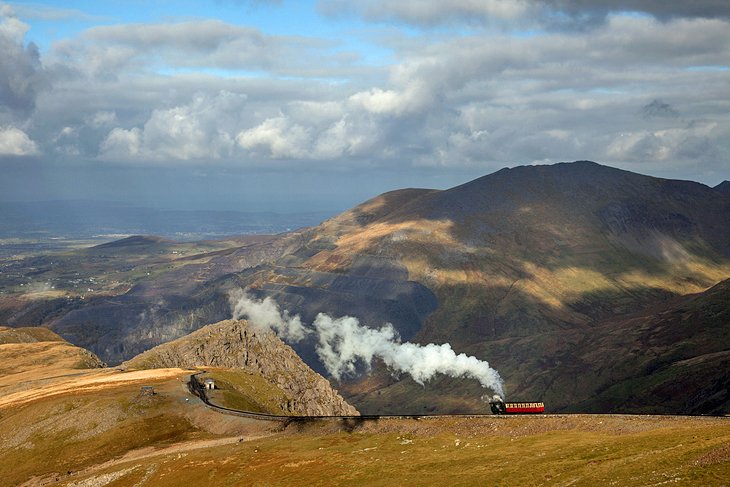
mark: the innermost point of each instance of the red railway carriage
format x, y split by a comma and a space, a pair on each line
524, 407
498, 406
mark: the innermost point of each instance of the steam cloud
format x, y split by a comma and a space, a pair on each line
266, 315
343, 342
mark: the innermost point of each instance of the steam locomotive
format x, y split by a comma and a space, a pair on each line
498, 406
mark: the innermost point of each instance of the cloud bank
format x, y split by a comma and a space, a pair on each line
644, 87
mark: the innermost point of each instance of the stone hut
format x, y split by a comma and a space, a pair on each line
209, 384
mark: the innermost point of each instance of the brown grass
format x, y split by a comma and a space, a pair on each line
567, 450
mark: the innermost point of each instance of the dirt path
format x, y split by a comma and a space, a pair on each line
141, 454
92, 381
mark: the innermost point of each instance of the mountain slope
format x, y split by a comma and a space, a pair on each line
528, 252
723, 186
518, 253
236, 345
33, 354
27, 335
670, 358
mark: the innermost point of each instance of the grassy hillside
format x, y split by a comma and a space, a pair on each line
245, 390
27, 335
60, 415
29, 355
580, 450
96, 427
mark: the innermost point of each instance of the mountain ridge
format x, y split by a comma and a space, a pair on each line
522, 252
723, 187
528, 250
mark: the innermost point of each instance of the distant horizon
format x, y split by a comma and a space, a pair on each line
337, 198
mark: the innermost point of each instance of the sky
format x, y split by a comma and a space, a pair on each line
279, 105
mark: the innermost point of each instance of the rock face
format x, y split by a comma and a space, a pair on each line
237, 345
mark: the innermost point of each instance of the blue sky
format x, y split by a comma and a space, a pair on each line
55, 21
320, 104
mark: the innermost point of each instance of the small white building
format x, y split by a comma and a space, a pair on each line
209, 384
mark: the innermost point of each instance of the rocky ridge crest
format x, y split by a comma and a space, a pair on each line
236, 344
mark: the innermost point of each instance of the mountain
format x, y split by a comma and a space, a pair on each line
668, 358
517, 264
571, 242
673, 357
519, 253
723, 186
236, 345
31, 354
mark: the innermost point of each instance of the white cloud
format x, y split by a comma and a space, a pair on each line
390, 102
430, 12
194, 131
102, 118
278, 137
15, 142
122, 143
691, 142
213, 92
107, 51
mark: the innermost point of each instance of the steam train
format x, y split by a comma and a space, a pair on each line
498, 406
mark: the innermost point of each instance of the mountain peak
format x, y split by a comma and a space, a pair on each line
723, 187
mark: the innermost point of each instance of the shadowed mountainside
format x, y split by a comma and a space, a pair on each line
723, 186
670, 358
520, 253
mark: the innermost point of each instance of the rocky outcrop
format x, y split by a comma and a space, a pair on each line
237, 345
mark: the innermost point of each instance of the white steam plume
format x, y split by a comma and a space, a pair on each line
342, 343
267, 315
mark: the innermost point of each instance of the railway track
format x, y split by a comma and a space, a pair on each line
198, 390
